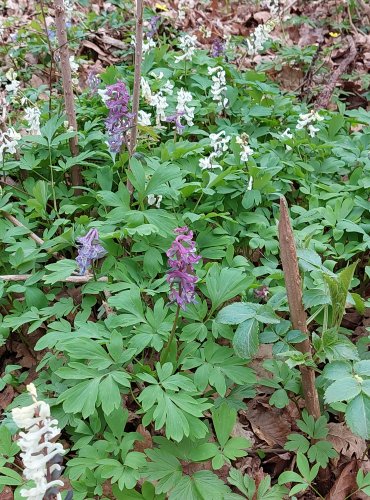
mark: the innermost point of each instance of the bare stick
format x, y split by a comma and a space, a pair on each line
324, 97
137, 79
70, 279
60, 24
288, 256
18, 223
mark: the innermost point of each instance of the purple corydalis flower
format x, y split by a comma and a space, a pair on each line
176, 119
89, 249
152, 26
181, 258
93, 81
262, 292
218, 47
119, 119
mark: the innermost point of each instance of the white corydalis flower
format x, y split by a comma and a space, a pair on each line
187, 43
259, 37
183, 7
308, 120
146, 91
153, 200
143, 118
246, 150
14, 84
187, 112
218, 88
73, 64
219, 143
32, 115
39, 452
160, 103
8, 142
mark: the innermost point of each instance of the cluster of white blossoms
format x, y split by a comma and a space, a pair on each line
187, 43
147, 43
68, 9
246, 150
158, 99
218, 88
259, 37
272, 5
144, 118
154, 200
183, 7
182, 108
8, 142
14, 84
219, 143
307, 120
38, 448
32, 115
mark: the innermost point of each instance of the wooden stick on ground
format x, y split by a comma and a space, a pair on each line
63, 51
288, 256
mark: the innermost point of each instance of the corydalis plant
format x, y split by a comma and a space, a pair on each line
40, 455
181, 258
89, 249
116, 98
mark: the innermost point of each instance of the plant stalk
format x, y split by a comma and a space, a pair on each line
65, 66
288, 256
170, 340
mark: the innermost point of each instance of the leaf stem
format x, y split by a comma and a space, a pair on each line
170, 340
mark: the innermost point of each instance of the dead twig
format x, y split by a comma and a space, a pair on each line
18, 223
70, 279
65, 67
324, 97
288, 256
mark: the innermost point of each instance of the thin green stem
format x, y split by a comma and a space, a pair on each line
170, 340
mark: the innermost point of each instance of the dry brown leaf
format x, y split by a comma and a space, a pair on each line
147, 441
6, 397
269, 424
113, 41
6, 494
240, 431
344, 441
345, 483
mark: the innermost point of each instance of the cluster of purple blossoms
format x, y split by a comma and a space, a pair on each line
93, 81
89, 249
176, 119
181, 276
116, 98
218, 47
152, 26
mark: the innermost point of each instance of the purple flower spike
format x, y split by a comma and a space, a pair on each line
152, 26
181, 258
176, 119
218, 47
119, 119
93, 82
89, 249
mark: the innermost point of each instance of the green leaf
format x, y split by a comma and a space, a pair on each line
303, 465
297, 442
358, 416
337, 370
8, 448
344, 389
60, 271
224, 419
202, 485
10, 477
236, 313
224, 284
164, 468
81, 398
246, 340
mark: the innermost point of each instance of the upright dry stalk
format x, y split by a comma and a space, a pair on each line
137, 74
288, 255
63, 51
